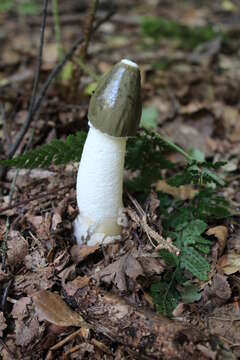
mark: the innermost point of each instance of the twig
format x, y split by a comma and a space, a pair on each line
81, 56
7, 227
31, 111
66, 340
89, 27
72, 350
48, 82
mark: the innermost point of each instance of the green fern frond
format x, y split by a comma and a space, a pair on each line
192, 261
57, 152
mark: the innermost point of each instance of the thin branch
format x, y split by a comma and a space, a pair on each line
48, 82
28, 121
89, 27
80, 66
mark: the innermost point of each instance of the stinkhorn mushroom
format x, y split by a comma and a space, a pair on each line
114, 115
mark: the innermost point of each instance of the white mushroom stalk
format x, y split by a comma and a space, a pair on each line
114, 115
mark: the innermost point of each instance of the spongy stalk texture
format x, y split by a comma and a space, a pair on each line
100, 176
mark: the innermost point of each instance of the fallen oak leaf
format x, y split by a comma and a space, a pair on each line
52, 308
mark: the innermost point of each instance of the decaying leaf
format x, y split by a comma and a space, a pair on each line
19, 310
221, 233
27, 331
52, 308
234, 242
80, 253
41, 279
71, 287
17, 248
120, 270
224, 322
218, 293
3, 324
183, 192
229, 263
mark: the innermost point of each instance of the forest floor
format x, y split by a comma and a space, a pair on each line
191, 94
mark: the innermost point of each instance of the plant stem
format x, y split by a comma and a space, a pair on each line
87, 69
57, 29
174, 147
7, 226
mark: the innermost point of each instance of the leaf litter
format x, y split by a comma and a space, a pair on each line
194, 100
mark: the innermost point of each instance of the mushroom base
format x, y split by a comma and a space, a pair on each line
93, 233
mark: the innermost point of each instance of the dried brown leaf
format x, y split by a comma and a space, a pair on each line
52, 308
229, 263
221, 233
234, 241
184, 192
56, 219
120, 270
219, 292
80, 253
17, 248
224, 322
20, 310
3, 324
27, 331
72, 286
34, 281
34, 260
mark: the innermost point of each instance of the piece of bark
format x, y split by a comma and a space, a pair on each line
144, 333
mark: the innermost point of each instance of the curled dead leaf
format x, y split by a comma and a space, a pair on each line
229, 263
184, 192
221, 233
52, 308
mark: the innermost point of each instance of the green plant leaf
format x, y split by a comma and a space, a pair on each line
165, 297
189, 293
57, 152
6, 5
192, 261
149, 118
186, 37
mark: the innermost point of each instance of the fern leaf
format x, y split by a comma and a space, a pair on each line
57, 152
165, 297
192, 261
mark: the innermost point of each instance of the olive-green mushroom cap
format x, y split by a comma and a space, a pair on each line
115, 107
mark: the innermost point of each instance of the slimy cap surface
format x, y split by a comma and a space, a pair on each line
115, 107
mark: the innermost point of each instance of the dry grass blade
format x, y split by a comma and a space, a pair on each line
141, 220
